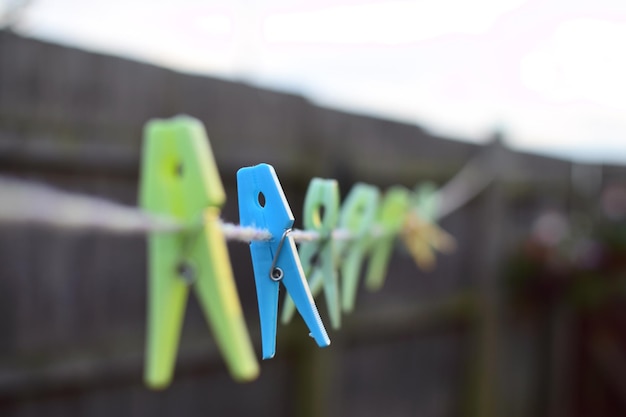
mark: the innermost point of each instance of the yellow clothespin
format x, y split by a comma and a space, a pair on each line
420, 234
179, 179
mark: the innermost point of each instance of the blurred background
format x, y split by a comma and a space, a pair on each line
525, 318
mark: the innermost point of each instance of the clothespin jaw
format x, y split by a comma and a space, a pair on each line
357, 216
179, 179
389, 221
321, 214
421, 235
262, 204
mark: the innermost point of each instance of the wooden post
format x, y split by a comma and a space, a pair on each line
483, 395
315, 377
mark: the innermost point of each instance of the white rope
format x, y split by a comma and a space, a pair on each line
244, 234
470, 181
23, 202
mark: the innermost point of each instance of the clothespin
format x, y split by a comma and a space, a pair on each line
321, 214
262, 204
421, 235
389, 221
425, 201
179, 179
357, 217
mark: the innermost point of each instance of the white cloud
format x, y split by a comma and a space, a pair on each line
214, 24
394, 22
582, 59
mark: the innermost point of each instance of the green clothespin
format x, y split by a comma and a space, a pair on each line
179, 179
425, 200
321, 213
389, 221
357, 217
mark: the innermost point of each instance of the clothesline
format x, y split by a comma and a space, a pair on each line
24, 202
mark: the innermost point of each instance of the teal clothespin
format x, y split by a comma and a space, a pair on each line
179, 179
357, 217
262, 204
322, 197
389, 221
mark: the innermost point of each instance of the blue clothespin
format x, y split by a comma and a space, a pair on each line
262, 204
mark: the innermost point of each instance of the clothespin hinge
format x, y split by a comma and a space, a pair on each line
276, 274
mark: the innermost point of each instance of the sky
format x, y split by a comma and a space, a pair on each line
548, 74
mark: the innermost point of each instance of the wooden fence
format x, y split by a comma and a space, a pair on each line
443, 343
